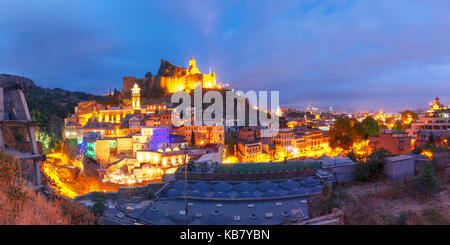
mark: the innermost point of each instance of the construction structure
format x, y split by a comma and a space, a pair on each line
14, 113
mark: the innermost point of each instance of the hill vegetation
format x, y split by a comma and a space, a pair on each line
49, 107
20, 205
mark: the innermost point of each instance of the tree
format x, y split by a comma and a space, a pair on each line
371, 126
231, 143
408, 116
372, 169
193, 143
399, 126
341, 134
360, 131
431, 139
425, 180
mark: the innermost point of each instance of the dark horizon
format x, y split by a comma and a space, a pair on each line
352, 55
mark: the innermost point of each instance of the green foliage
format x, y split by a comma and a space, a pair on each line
404, 115
426, 180
114, 98
372, 170
341, 134
401, 219
295, 114
362, 172
150, 194
10, 169
193, 143
432, 148
399, 126
230, 145
434, 217
16, 193
347, 131
324, 202
49, 107
371, 126
76, 212
354, 157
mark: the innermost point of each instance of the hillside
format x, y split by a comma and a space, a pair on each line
49, 107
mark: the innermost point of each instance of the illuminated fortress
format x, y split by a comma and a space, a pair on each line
187, 79
172, 78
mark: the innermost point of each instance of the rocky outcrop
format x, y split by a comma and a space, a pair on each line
167, 69
12, 81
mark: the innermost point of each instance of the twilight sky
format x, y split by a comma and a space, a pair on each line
352, 55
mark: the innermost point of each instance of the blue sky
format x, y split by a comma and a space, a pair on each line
353, 55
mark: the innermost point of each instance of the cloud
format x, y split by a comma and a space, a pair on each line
348, 54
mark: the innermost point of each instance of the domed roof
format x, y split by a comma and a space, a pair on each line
271, 193
220, 194
289, 184
180, 185
310, 182
222, 186
172, 192
201, 186
245, 194
298, 191
267, 185
196, 193
244, 187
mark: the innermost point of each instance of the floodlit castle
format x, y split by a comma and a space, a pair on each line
187, 79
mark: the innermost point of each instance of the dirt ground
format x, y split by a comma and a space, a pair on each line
389, 203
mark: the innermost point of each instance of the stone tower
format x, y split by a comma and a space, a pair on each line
136, 97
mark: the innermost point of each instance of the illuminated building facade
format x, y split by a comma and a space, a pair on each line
311, 139
249, 151
154, 139
203, 134
435, 124
136, 97
284, 140
395, 142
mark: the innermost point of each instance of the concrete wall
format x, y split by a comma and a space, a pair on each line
401, 170
342, 174
443, 159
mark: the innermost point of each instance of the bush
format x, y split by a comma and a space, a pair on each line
323, 203
150, 195
426, 180
434, 217
401, 219
373, 169
9, 168
362, 172
76, 213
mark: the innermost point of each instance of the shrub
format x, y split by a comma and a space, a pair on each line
426, 180
324, 202
9, 168
434, 217
76, 213
150, 195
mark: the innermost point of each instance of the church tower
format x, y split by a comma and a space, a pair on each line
193, 66
136, 97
